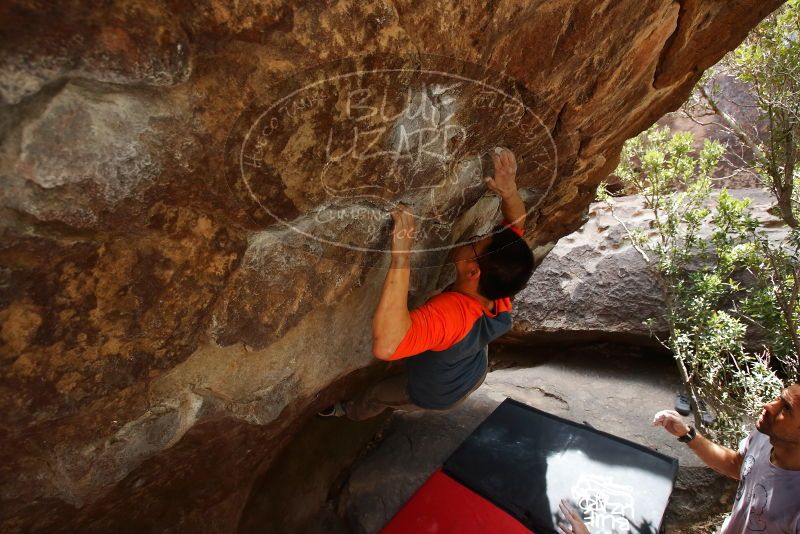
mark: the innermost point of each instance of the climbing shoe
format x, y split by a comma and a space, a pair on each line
334, 410
706, 415
682, 404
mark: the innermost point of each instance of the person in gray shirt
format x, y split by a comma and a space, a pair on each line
767, 466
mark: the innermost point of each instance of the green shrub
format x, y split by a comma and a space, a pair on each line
709, 313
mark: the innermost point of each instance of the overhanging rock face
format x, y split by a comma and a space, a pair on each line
194, 202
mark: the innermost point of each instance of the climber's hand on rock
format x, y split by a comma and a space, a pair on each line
504, 181
404, 230
672, 422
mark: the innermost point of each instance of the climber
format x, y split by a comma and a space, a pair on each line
445, 340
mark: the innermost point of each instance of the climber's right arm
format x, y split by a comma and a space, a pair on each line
392, 319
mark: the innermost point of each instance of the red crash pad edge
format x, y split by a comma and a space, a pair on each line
443, 506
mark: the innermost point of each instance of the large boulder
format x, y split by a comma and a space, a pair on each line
194, 199
594, 285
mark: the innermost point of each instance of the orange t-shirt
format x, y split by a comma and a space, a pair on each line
445, 319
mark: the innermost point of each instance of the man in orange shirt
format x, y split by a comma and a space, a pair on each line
445, 340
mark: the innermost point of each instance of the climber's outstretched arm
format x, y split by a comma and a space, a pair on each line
392, 319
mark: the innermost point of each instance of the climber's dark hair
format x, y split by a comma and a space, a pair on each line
506, 265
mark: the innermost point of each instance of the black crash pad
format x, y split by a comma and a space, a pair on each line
525, 461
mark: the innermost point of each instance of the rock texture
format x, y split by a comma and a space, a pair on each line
593, 285
176, 286
734, 98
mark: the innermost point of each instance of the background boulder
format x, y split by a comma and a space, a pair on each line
594, 285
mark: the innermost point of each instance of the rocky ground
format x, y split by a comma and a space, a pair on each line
614, 388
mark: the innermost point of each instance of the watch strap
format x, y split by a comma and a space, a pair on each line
689, 436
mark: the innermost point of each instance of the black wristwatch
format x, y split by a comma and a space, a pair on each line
689, 436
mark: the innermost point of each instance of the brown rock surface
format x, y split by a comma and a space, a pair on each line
176, 283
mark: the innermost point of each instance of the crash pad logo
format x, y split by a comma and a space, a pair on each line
605, 506
330, 151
